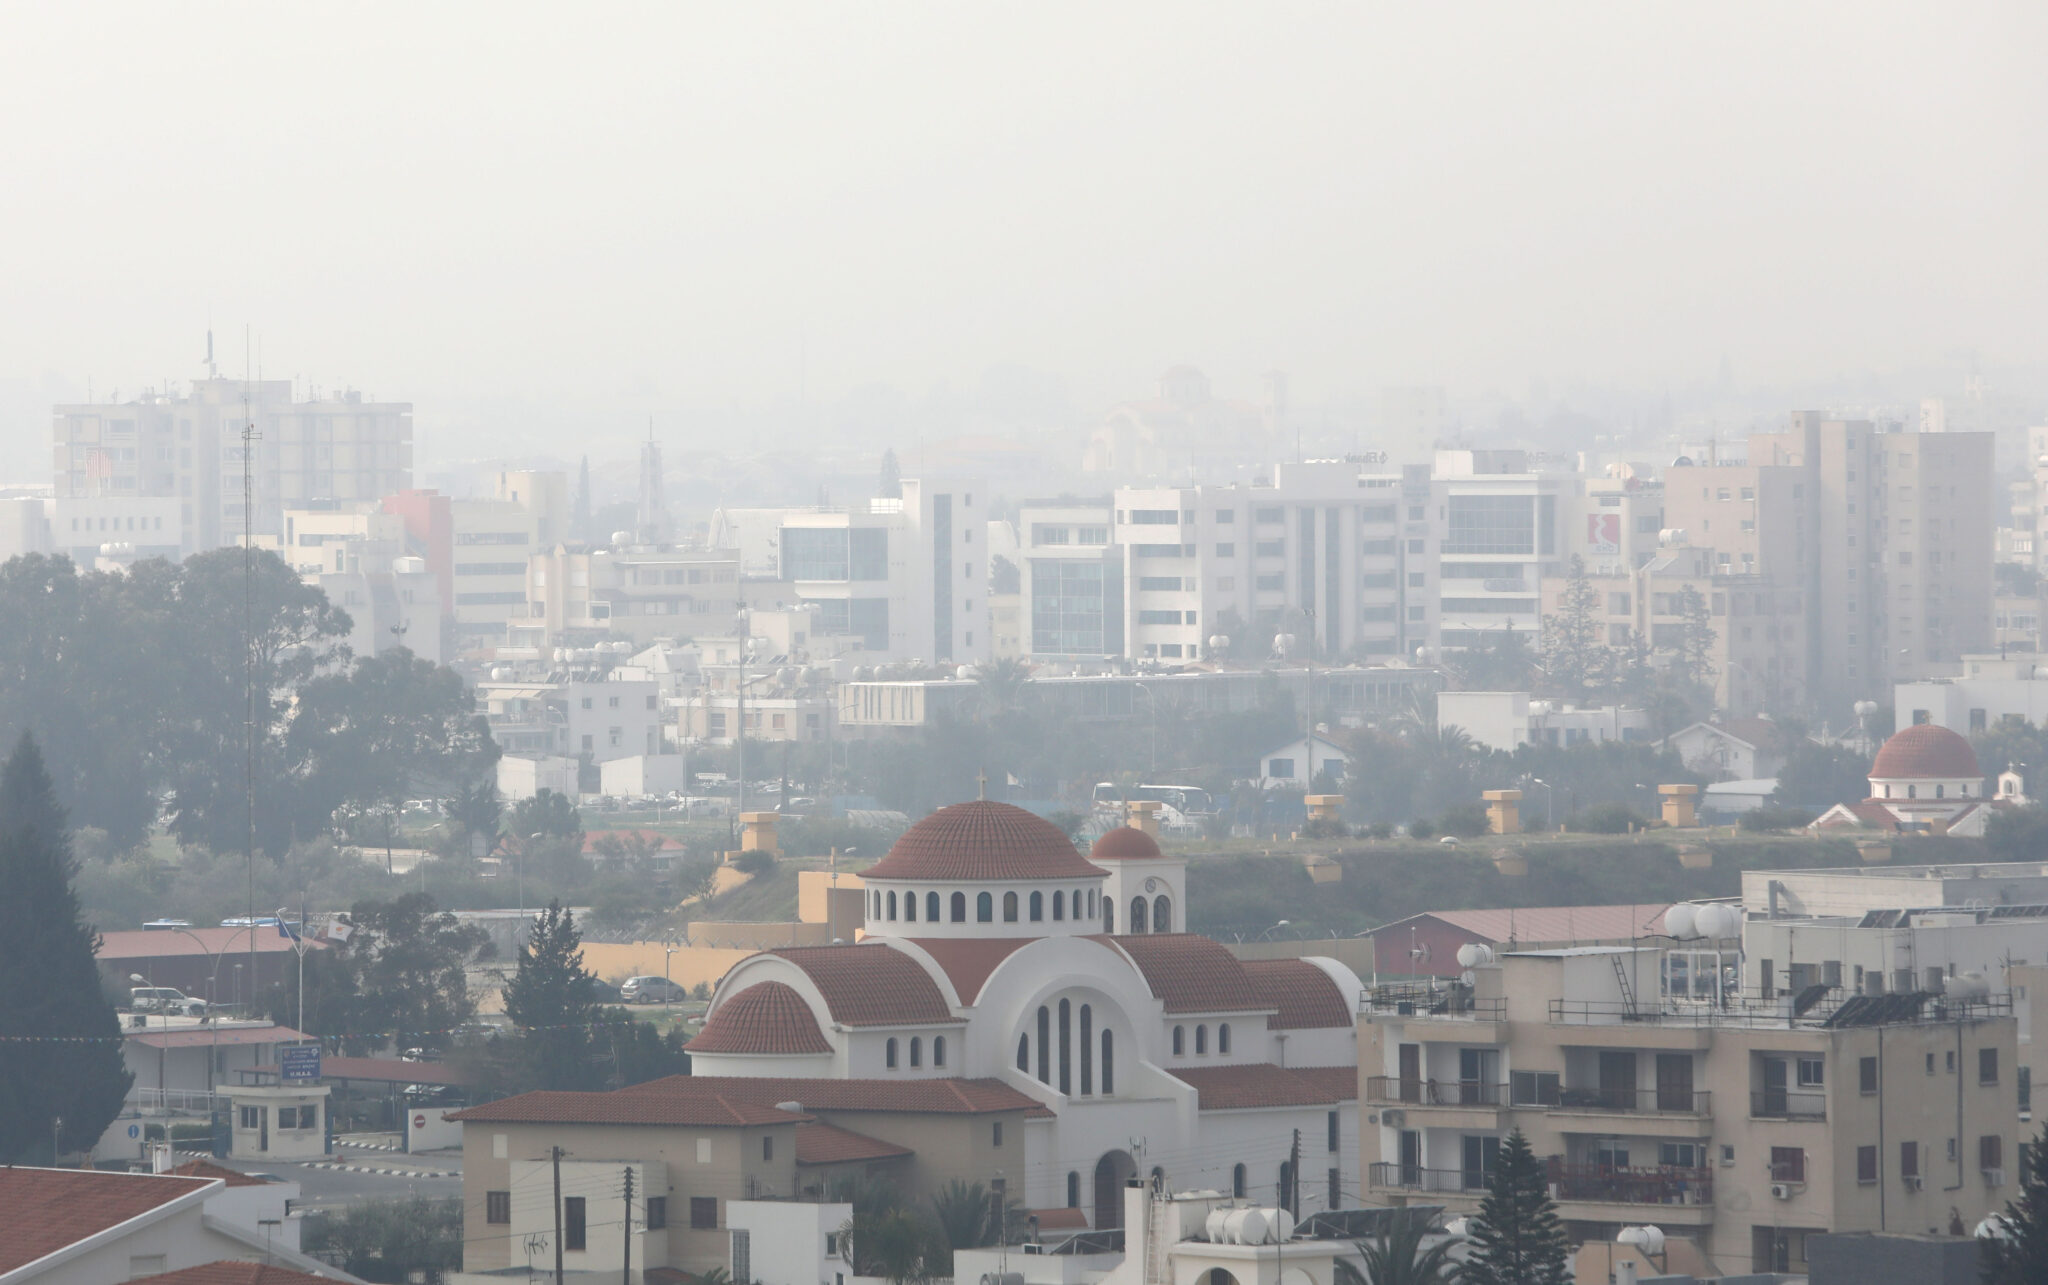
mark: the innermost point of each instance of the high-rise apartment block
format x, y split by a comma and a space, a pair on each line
189, 447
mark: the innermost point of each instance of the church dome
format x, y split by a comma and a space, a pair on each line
1124, 843
1926, 752
767, 1017
983, 840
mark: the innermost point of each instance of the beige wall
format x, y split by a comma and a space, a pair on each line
947, 1146
616, 961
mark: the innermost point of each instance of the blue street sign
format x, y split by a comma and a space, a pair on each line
299, 1063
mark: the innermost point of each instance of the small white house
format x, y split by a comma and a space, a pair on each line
781, 1242
638, 774
1298, 762
523, 776
279, 1122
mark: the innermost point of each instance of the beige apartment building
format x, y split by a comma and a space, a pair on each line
1655, 1093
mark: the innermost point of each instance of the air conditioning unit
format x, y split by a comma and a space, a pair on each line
1781, 1191
1393, 1119
1994, 1177
1912, 1181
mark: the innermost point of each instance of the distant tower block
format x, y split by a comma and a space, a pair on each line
1678, 805
1503, 811
1325, 807
1144, 815
757, 833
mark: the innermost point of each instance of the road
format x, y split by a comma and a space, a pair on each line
322, 1187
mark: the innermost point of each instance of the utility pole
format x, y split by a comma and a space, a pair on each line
556, 1154
1291, 1197
627, 1278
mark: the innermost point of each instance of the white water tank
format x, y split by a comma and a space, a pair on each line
409, 566
1212, 1226
1474, 954
1245, 1227
1718, 920
1972, 985
1682, 921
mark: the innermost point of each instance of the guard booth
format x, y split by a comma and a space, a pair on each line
278, 1122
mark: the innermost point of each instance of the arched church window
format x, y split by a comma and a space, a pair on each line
984, 908
1223, 1038
1037, 906
910, 907
1162, 914
1108, 915
889, 1053
1201, 1040
1108, 1064
1044, 1045
1059, 905
916, 1051
1180, 1038
1087, 1050
892, 905
959, 907
931, 907
1009, 907
1237, 1181
1137, 914
1024, 1054
938, 1050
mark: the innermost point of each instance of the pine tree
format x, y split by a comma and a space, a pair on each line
1574, 658
2018, 1255
52, 994
1517, 1239
891, 487
549, 999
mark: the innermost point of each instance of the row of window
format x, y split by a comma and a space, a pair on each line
653, 1215
884, 906
916, 1052
1065, 1063
1180, 1039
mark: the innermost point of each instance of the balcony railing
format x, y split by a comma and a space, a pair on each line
1389, 1175
1789, 1104
1420, 1001
1394, 1089
1635, 1101
1835, 1009
1645, 1186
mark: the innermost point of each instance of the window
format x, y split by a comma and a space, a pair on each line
1037, 906
1811, 1073
1533, 1088
498, 1207
252, 1117
1059, 905
985, 908
1991, 1152
657, 1212
1074, 1189
1788, 1164
1987, 1066
892, 905
959, 907
1108, 1064
704, 1213
996, 1134
572, 1222
916, 1051
938, 1050
1223, 1038
768, 1139
1269, 548
1909, 1160
1866, 1164
1201, 1040
1009, 907
1179, 1041
931, 907
1269, 513
1024, 1054
1866, 1075
889, 1053
1681, 1155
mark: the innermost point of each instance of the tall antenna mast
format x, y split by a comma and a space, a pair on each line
248, 646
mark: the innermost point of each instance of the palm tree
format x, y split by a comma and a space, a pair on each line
1398, 1257
1002, 683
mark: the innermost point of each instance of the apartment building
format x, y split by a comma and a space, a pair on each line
900, 579
189, 448
585, 716
491, 542
1654, 1092
1987, 690
143, 526
575, 596
1497, 534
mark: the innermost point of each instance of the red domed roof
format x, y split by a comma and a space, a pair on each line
983, 840
1926, 752
767, 1017
1125, 843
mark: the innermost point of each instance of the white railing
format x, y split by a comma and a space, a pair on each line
194, 1100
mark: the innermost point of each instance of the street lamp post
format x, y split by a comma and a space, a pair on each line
162, 1098
668, 992
1549, 813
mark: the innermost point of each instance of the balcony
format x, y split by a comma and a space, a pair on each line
1393, 1090
1388, 1175
1606, 1185
1453, 1013
1634, 1101
1789, 1104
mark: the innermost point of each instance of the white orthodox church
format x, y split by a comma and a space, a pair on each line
995, 952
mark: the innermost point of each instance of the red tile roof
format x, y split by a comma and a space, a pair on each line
1190, 973
704, 1110
968, 961
185, 1037
1124, 843
163, 943
1262, 1084
983, 840
45, 1210
1060, 1219
767, 1017
818, 1143
236, 1273
1925, 751
208, 1169
943, 1096
1304, 994
871, 984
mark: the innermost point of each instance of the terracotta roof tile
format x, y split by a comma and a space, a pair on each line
968, 961
704, 1110
228, 1272
44, 1210
1124, 843
983, 840
871, 984
1262, 1084
1305, 995
767, 1017
1925, 751
1191, 973
942, 1096
1060, 1219
818, 1143
185, 1037
208, 1169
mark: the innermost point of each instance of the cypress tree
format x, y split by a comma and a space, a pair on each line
60, 1040
2018, 1254
549, 999
1517, 1239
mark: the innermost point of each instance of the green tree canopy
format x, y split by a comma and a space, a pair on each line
548, 814
60, 1041
2018, 1255
400, 976
1516, 1236
549, 1000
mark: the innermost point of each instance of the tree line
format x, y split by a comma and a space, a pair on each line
138, 686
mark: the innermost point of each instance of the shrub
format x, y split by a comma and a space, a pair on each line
753, 862
1466, 821
1423, 829
1377, 830
1321, 828
1604, 818
1774, 818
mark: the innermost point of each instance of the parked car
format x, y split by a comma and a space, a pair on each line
651, 990
604, 992
164, 999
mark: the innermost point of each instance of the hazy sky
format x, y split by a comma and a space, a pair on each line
470, 205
